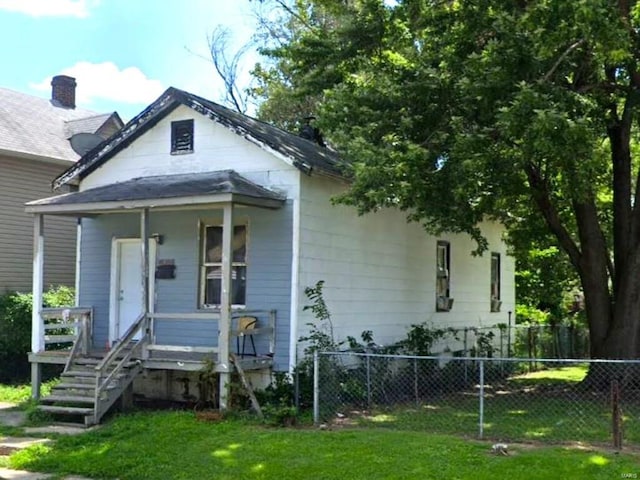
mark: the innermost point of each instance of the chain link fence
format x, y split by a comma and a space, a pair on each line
502, 399
564, 340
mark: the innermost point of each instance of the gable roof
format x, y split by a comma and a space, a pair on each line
162, 191
36, 126
303, 154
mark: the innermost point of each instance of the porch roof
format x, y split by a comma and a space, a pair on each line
182, 190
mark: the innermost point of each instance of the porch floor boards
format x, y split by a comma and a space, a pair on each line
190, 362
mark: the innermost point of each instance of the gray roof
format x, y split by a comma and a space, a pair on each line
304, 154
87, 124
35, 126
205, 185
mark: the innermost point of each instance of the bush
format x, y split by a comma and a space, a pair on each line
15, 329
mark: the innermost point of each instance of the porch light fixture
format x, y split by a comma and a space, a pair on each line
158, 238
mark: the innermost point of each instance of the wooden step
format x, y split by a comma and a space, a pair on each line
73, 392
81, 387
78, 373
75, 386
88, 374
66, 410
68, 399
87, 361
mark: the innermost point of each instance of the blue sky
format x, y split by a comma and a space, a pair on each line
123, 53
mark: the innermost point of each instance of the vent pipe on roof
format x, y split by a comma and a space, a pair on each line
63, 91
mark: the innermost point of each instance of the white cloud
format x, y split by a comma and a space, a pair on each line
49, 8
105, 81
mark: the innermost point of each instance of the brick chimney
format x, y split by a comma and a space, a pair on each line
63, 91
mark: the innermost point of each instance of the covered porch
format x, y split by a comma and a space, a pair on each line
148, 336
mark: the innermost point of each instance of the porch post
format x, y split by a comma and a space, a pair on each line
37, 326
78, 259
144, 245
225, 305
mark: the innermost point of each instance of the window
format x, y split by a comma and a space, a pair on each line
182, 137
443, 277
211, 266
495, 282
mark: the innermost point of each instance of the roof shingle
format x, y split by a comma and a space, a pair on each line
304, 154
35, 126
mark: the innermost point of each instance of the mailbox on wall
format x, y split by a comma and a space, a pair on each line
166, 269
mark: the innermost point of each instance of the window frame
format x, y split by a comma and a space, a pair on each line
176, 126
495, 283
443, 271
203, 265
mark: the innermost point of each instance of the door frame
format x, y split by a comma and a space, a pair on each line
116, 242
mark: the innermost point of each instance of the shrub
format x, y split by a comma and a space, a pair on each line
15, 329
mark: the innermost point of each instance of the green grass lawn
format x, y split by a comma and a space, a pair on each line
545, 405
176, 446
21, 394
424, 440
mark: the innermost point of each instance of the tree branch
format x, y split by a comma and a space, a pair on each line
540, 193
564, 55
228, 69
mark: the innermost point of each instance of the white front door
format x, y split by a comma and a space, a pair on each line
126, 285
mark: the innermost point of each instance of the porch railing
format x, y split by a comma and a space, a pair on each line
265, 326
66, 328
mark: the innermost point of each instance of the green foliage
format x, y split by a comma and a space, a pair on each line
15, 329
277, 401
36, 416
463, 112
21, 393
318, 307
320, 337
207, 385
484, 344
422, 337
59, 296
280, 415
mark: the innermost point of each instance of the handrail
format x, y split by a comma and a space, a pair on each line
56, 312
131, 332
101, 381
81, 338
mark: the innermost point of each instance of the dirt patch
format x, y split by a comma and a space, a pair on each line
4, 450
209, 415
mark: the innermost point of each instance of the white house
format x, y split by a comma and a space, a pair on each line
179, 176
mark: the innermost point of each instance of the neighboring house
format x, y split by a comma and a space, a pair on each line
180, 175
36, 138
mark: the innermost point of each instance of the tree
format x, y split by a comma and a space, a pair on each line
279, 21
459, 111
228, 69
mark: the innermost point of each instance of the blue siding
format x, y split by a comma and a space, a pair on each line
95, 265
269, 257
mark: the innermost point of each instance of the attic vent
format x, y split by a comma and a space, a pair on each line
182, 137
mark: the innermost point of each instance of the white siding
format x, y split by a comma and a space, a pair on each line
215, 148
21, 181
380, 272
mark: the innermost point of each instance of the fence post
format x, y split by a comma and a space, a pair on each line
296, 389
316, 388
466, 362
530, 346
501, 351
481, 421
368, 362
509, 336
415, 381
616, 415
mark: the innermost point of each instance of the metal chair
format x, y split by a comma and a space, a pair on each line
245, 327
